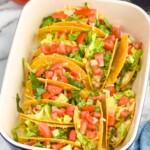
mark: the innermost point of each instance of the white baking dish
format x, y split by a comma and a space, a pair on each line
132, 19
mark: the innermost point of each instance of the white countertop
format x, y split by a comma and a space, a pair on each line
9, 15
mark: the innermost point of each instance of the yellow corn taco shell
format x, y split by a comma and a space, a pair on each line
95, 143
32, 111
52, 59
118, 60
125, 125
43, 31
81, 25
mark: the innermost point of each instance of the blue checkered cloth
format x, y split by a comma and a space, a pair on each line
142, 141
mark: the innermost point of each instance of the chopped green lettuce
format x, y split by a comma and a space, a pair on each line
73, 36
94, 93
111, 102
68, 147
19, 109
67, 119
48, 39
62, 98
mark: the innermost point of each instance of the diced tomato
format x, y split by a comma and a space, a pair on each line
45, 130
22, 2
92, 16
45, 48
89, 108
75, 73
81, 38
69, 94
90, 119
49, 74
97, 71
91, 134
124, 113
32, 142
137, 45
70, 108
47, 143
74, 49
54, 90
83, 127
94, 63
111, 89
83, 114
62, 34
40, 71
57, 65
53, 48
91, 126
84, 11
116, 30
123, 101
95, 98
72, 135
129, 48
109, 42
99, 57
96, 114
54, 115
61, 49
58, 71
59, 15
57, 146
111, 118
68, 48
46, 95
60, 112
63, 78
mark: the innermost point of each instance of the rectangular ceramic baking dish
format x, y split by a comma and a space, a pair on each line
133, 20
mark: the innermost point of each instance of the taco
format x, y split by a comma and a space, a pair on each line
84, 15
128, 55
49, 143
48, 111
35, 129
119, 114
100, 60
89, 125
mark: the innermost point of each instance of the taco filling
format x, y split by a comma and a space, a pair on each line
120, 111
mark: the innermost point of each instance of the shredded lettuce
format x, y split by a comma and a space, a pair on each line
19, 109
94, 93
62, 98
48, 39
63, 133
73, 36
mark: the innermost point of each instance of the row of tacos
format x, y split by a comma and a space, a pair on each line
78, 85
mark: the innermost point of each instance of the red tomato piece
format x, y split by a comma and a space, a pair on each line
32, 142
89, 108
81, 38
91, 134
111, 118
137, 45
84, 11
69, 95
83, 114
54, 115
109, 42
123, 101
124, 113
45, 130
59, 15
46, 95
116, 30
54, 90
57, 65
83, 127
99, 57
53, 49
68, 48
94, 63
47, 143
75, 73
62, 34
63, 79
92, 16
91, 126
61, 49
96, 114
49, 74
70, 110
97, 71
95, 98
75, 49
90, 119
58, 72
57, 146
22, 2
111, 89
60, 112
72, 135
40, 71
45, 48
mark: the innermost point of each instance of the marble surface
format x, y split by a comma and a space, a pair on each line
9, 15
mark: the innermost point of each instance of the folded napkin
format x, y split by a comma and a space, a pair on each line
142, 141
